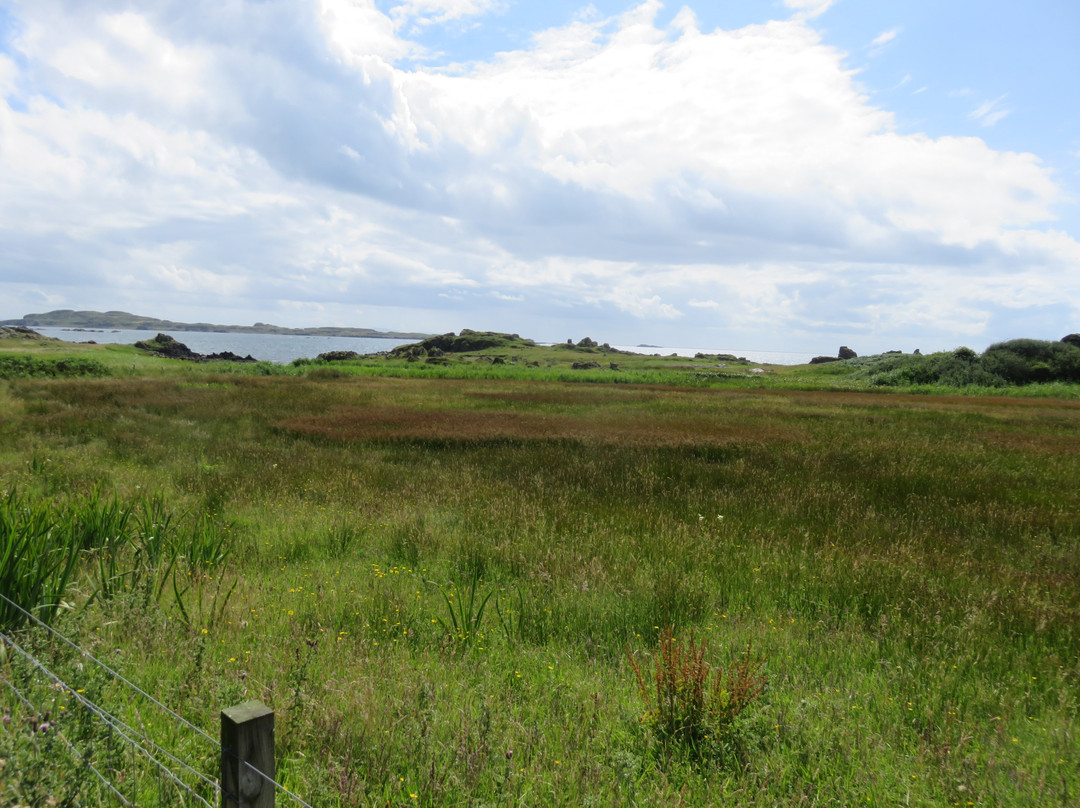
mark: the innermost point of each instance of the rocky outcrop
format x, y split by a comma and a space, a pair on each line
463, 342
844, 353
21, 332
225, 356
169, 347
164, 345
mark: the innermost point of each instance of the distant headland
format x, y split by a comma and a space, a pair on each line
67, 318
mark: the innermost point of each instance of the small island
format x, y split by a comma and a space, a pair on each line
96, 320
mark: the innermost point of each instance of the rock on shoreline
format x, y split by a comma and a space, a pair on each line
164, 345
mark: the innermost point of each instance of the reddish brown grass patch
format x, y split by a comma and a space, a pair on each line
388, 423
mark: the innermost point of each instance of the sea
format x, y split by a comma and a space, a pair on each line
278, 348
284, 348
757, 357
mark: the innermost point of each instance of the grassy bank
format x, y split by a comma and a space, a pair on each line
907, 565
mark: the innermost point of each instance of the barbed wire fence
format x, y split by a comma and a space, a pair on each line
64, 706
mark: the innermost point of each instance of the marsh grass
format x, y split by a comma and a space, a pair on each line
115, 547
36, 561
465, 607
909, 565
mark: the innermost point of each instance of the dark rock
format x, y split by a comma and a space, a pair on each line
164, 345
1072, 339
846, 353
614, 365
821, 360
229, 356
585, 365
917, 352
587, 342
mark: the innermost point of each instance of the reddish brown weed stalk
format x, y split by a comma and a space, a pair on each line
687, 706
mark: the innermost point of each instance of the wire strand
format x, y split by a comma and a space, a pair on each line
275, 784
82, 758
142, 693
122, 729
105, 667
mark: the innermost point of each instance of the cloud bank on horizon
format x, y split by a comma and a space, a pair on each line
787, 177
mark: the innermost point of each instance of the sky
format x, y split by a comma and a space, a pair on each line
786, 175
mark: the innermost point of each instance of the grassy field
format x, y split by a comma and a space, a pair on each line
442, 577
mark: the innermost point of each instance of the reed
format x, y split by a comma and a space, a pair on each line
37, 560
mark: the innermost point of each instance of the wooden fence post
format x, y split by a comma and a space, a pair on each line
247, 742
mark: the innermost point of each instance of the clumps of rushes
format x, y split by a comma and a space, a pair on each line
688, 701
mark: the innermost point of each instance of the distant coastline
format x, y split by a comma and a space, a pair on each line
96, 320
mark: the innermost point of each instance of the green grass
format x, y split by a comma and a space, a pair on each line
908, 566
23, 365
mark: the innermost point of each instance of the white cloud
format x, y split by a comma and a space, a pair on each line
638, 109
705, 304
883, 40
990, 112
427, 12
810, 8
116, 58
885, 37
361, 34
9, 73
655, 174
182, 277
643, 308
765, 112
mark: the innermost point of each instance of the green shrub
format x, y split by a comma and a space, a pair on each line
1016, 362
14, 366
1025, 361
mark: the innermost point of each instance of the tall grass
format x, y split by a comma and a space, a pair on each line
908, 564
114, 546
36, 562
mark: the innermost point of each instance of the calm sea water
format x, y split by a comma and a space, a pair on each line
280, 348
284, 348
760, 357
